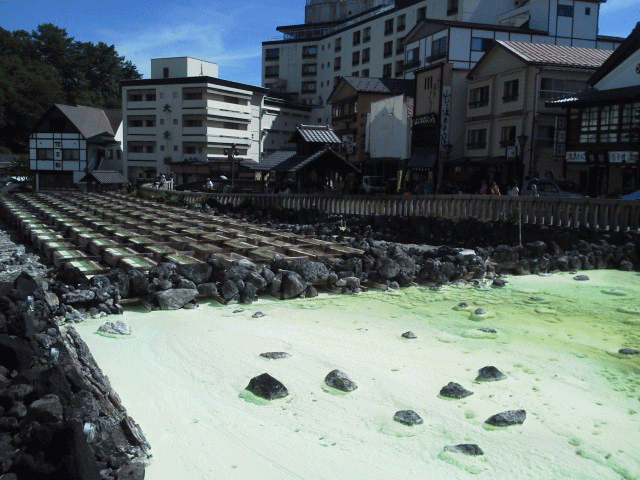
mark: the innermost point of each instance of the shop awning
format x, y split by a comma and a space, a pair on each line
423, 158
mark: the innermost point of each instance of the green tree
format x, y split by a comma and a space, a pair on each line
47, 66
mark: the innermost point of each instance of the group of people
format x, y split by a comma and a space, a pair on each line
494, 189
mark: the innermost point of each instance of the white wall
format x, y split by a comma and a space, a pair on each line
627, 74
180, 67
388, 129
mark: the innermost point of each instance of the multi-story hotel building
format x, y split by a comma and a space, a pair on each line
367, 38
186, 114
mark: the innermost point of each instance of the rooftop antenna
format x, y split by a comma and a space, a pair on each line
201, 72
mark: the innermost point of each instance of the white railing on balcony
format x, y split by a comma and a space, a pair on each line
601, 214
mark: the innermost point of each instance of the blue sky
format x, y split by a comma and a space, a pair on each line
228, 33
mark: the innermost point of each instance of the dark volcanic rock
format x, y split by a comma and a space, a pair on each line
454, 390
47, 409
407, 417
196, 272
581, 278
292, 285
115, 328
498, 282
275, 355
628, 351
490, 374
340, 381
265, 386
78, 297
175, 298
135, 471
409, 334
257, 315
466, 448
504, 419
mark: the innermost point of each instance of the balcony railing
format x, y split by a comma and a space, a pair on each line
437, 56
411, 64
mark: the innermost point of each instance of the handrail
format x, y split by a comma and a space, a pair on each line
596, 213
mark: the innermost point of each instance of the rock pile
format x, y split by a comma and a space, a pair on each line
59, 417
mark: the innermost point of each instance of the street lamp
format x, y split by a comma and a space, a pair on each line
522, 141
231, 153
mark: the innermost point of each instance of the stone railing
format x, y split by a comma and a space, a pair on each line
601, 214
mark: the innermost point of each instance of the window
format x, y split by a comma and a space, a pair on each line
175, 148
308, 87
386, 70
479, 97
399, 68
388, 49
365, 72
439, 49
479, 44
366, 54
508, 136
609, 123
589, 125
587, 11
175, 121
366, 35
338, 45
421, 14
310, 51
452, 7
271, 71
388, 27
565, 10
401, 25
558, 87
630, 124
399, 47
355, 58
546, 136
510, 93
165, 72
477, 139
272, 53
412, 58
336, 64
356, 38
309, 69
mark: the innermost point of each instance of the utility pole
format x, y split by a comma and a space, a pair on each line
231, 153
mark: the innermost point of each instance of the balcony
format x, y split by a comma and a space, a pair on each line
227, 135
141, 130
141, 157
411, 64
437, 56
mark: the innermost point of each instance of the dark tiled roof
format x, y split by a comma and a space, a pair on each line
390, 86
89, 121
557, 55
106, 177
272, 161
317, 134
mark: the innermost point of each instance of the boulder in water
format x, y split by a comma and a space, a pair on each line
340, 381
267, 387
504, 419
409, 334
466, 448
275, 355
454, 390
408, 417
490, 374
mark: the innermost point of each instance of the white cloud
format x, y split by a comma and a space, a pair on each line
208, 32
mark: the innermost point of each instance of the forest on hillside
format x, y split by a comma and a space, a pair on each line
47, 66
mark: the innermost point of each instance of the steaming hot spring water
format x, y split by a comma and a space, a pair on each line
183, 375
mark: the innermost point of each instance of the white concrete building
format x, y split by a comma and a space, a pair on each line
367, 38
185, 114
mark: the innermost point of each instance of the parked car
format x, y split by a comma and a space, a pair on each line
373, 184
549, 187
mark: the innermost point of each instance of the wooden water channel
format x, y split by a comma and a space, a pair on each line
93, 233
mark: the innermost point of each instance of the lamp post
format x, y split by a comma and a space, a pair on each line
231, 153
522, 141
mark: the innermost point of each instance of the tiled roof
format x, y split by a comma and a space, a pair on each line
89, 121
317, 134
271, 161
391, 86
107, 177
557, 55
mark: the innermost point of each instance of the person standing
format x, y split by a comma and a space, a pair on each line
495, 190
